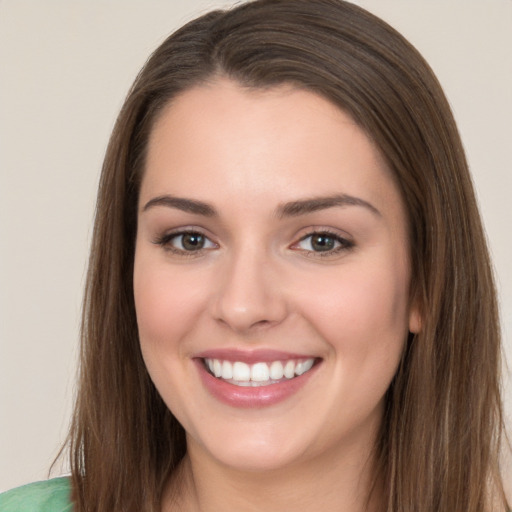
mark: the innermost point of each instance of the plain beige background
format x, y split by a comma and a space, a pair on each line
65, 68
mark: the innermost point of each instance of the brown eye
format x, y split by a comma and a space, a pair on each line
185, 242
189, 241
323, 242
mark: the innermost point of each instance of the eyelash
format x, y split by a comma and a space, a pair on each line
165, 241
344, 244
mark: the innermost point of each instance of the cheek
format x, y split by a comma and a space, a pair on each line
166, 304
363, 313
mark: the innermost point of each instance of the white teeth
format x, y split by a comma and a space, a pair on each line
241, 371
289, 369
243, 374
227, 370
260, 372
276, 370
303, 366
308, 365
217, 368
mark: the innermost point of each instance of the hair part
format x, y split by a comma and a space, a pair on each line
439, 442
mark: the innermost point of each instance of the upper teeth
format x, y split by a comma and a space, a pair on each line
246, 374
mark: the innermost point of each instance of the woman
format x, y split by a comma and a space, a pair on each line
289, 300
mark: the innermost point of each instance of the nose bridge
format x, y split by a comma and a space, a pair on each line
249, 294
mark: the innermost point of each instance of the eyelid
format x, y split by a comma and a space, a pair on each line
346, 242
164, 240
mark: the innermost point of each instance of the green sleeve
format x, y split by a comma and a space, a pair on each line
48, 496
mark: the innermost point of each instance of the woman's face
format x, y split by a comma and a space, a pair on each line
271, 275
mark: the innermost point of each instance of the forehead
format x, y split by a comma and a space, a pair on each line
272, 144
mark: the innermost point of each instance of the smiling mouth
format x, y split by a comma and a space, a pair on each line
258, 374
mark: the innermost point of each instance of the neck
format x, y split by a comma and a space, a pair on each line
339, 481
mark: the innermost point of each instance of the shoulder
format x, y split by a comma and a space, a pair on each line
48, 496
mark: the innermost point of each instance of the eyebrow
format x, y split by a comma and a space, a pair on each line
314, 204
180, 203
290, 209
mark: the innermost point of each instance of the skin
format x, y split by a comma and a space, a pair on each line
259, 283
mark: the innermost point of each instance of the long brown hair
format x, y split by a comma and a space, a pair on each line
439, 442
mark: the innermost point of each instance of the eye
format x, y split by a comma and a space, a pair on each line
186, 242
323, 242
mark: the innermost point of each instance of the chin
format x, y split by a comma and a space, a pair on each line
250, 453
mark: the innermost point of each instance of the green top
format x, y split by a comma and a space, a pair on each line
48, 496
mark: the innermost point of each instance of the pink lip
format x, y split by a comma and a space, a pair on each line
250, 356
252, 397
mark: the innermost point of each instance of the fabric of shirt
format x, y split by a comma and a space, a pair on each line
48, 496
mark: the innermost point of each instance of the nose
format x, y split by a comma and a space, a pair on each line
250, 296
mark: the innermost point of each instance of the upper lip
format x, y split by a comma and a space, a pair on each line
251, 356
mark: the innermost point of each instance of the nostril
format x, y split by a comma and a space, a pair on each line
245, 300
261, 325
240, 325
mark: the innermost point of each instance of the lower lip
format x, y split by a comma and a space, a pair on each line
252, 397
